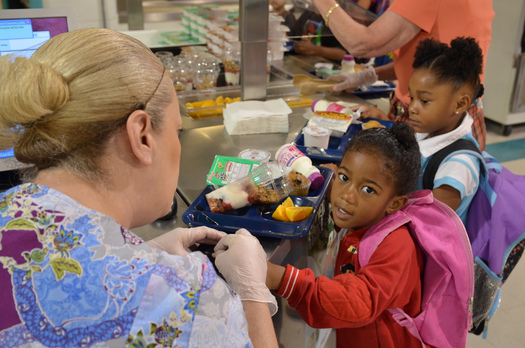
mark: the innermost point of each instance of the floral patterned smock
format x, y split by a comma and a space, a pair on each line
72, 277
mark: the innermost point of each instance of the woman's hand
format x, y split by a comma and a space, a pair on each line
350, 81
178, 241
242, 261
369, 111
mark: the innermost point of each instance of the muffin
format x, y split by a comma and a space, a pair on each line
301, 184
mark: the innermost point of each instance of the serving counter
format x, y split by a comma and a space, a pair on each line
204, 138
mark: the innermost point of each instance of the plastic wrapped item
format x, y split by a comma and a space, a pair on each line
337, 122
268, 183
226, 169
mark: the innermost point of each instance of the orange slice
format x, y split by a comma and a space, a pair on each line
208, 103
280, 214
287, 203
372, 124
298, 213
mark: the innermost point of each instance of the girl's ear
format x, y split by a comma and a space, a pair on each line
139, 130
463, 102
396, 203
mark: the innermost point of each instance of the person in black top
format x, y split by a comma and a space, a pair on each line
317, 38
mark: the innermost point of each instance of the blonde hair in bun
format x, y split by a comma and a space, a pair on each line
61, 106
44, 87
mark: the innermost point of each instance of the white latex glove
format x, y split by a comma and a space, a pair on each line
242, 261
365, 77
178, 241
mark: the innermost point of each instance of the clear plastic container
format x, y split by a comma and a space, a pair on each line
232, 66
205, 77
166, 57
268, 183
290, 155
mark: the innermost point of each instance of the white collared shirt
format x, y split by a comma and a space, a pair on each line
459, 171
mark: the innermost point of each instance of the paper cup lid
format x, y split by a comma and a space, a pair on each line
316, 131
317, 180
255, 155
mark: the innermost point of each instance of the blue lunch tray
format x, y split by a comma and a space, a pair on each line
375, 91
370, 91
258, 218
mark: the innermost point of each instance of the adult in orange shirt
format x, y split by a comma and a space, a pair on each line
399, 30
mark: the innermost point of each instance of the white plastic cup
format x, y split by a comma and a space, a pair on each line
316, 136
321, 68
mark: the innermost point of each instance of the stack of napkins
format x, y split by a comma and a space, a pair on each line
252, 117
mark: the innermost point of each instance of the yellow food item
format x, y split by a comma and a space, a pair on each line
294, 102
298, 213
208, 103
203, 108
280, 214
287, 203
287, 212
372, 124
197, 104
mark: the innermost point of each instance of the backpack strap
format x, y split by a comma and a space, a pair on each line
438, 157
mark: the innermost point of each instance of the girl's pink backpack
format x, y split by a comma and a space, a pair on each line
448, 275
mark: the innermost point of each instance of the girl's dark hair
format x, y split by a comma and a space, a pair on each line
460, 63
399, 150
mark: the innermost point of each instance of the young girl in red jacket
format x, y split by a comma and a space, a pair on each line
380, 166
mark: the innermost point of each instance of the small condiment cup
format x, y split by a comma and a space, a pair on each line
316, 136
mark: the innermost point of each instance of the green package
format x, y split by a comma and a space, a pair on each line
227, 169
